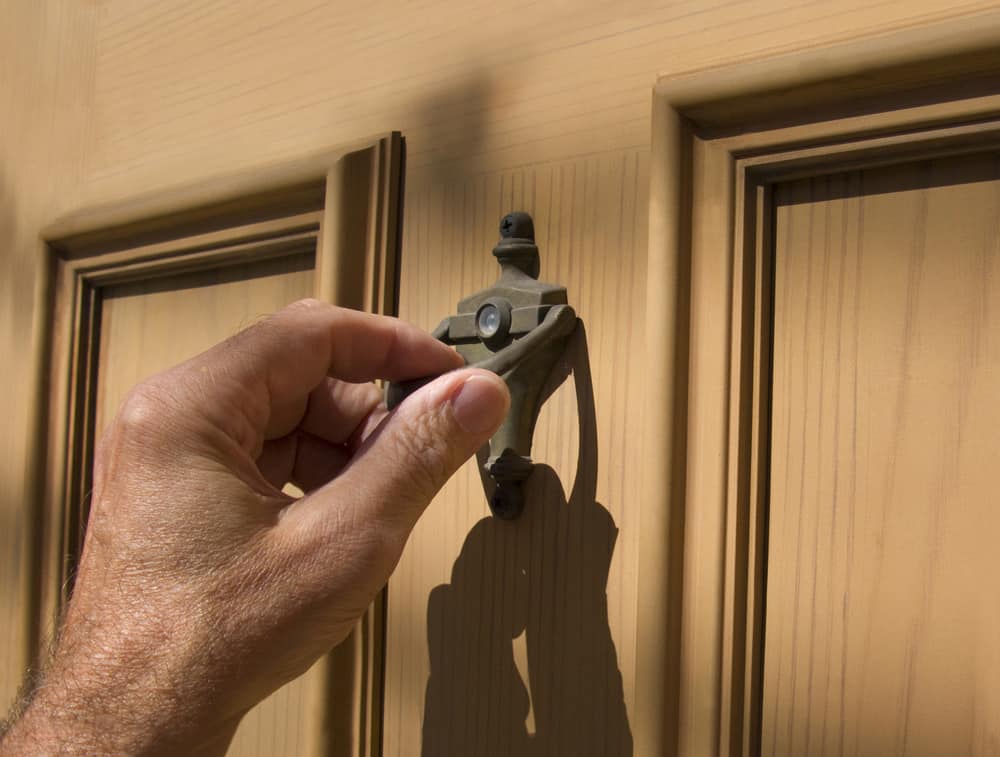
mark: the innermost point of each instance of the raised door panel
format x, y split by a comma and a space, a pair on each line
882, 628
519, 637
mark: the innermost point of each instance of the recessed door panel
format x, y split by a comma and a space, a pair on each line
882, 629
153, 324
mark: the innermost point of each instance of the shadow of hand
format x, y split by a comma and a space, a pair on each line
543, 575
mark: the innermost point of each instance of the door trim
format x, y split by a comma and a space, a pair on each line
721, 139
347, 209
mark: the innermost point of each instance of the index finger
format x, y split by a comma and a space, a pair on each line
299, 345
276, 363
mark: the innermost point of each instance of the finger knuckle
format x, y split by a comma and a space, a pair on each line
308, 304
142, 410
152, 413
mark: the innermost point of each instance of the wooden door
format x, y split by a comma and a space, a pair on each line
536, 636
842, 420
631, 609
883, 612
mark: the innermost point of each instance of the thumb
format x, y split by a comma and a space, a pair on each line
420, 446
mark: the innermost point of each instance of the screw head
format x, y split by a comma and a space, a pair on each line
507, 501
518, 225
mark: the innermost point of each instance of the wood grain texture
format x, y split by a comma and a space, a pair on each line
150, 325
882, 615
474, 82
151, 283
466, 579
72, 356
728, 416
46, 67
103, 101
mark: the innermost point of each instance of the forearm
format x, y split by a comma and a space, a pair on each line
85, 716
114, 698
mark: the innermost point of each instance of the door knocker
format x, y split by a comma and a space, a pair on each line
518, 329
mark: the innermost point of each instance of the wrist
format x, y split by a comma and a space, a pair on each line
79, 712
70, 719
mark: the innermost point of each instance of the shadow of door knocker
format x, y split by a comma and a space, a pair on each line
518, 329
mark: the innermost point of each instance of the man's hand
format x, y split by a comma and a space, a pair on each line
202, 587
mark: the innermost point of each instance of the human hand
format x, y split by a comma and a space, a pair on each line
202, 587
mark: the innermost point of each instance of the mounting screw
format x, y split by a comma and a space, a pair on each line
507, 501
517, 225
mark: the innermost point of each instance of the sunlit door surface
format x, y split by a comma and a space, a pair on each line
883, 577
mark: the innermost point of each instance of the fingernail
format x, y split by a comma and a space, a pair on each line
480, 403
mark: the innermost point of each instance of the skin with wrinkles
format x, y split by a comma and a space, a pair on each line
202, 587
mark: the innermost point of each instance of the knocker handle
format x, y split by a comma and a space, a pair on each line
517, 329
558, 323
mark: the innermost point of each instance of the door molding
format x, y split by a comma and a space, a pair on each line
347, 211
721, 139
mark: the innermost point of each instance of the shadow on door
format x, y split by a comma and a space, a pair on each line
531, 593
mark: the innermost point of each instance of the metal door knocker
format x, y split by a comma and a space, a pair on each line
517, 328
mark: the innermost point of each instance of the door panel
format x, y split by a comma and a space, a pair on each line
150, 325
519, 637
883, 614
141, 288
549, 108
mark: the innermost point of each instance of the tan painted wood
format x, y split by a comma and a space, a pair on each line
150, 325
70, 425
468, 584
501, 86
357, 267
664, 475
132, 298
46, 67
105, 101
882, 618
725, 521
165, 310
